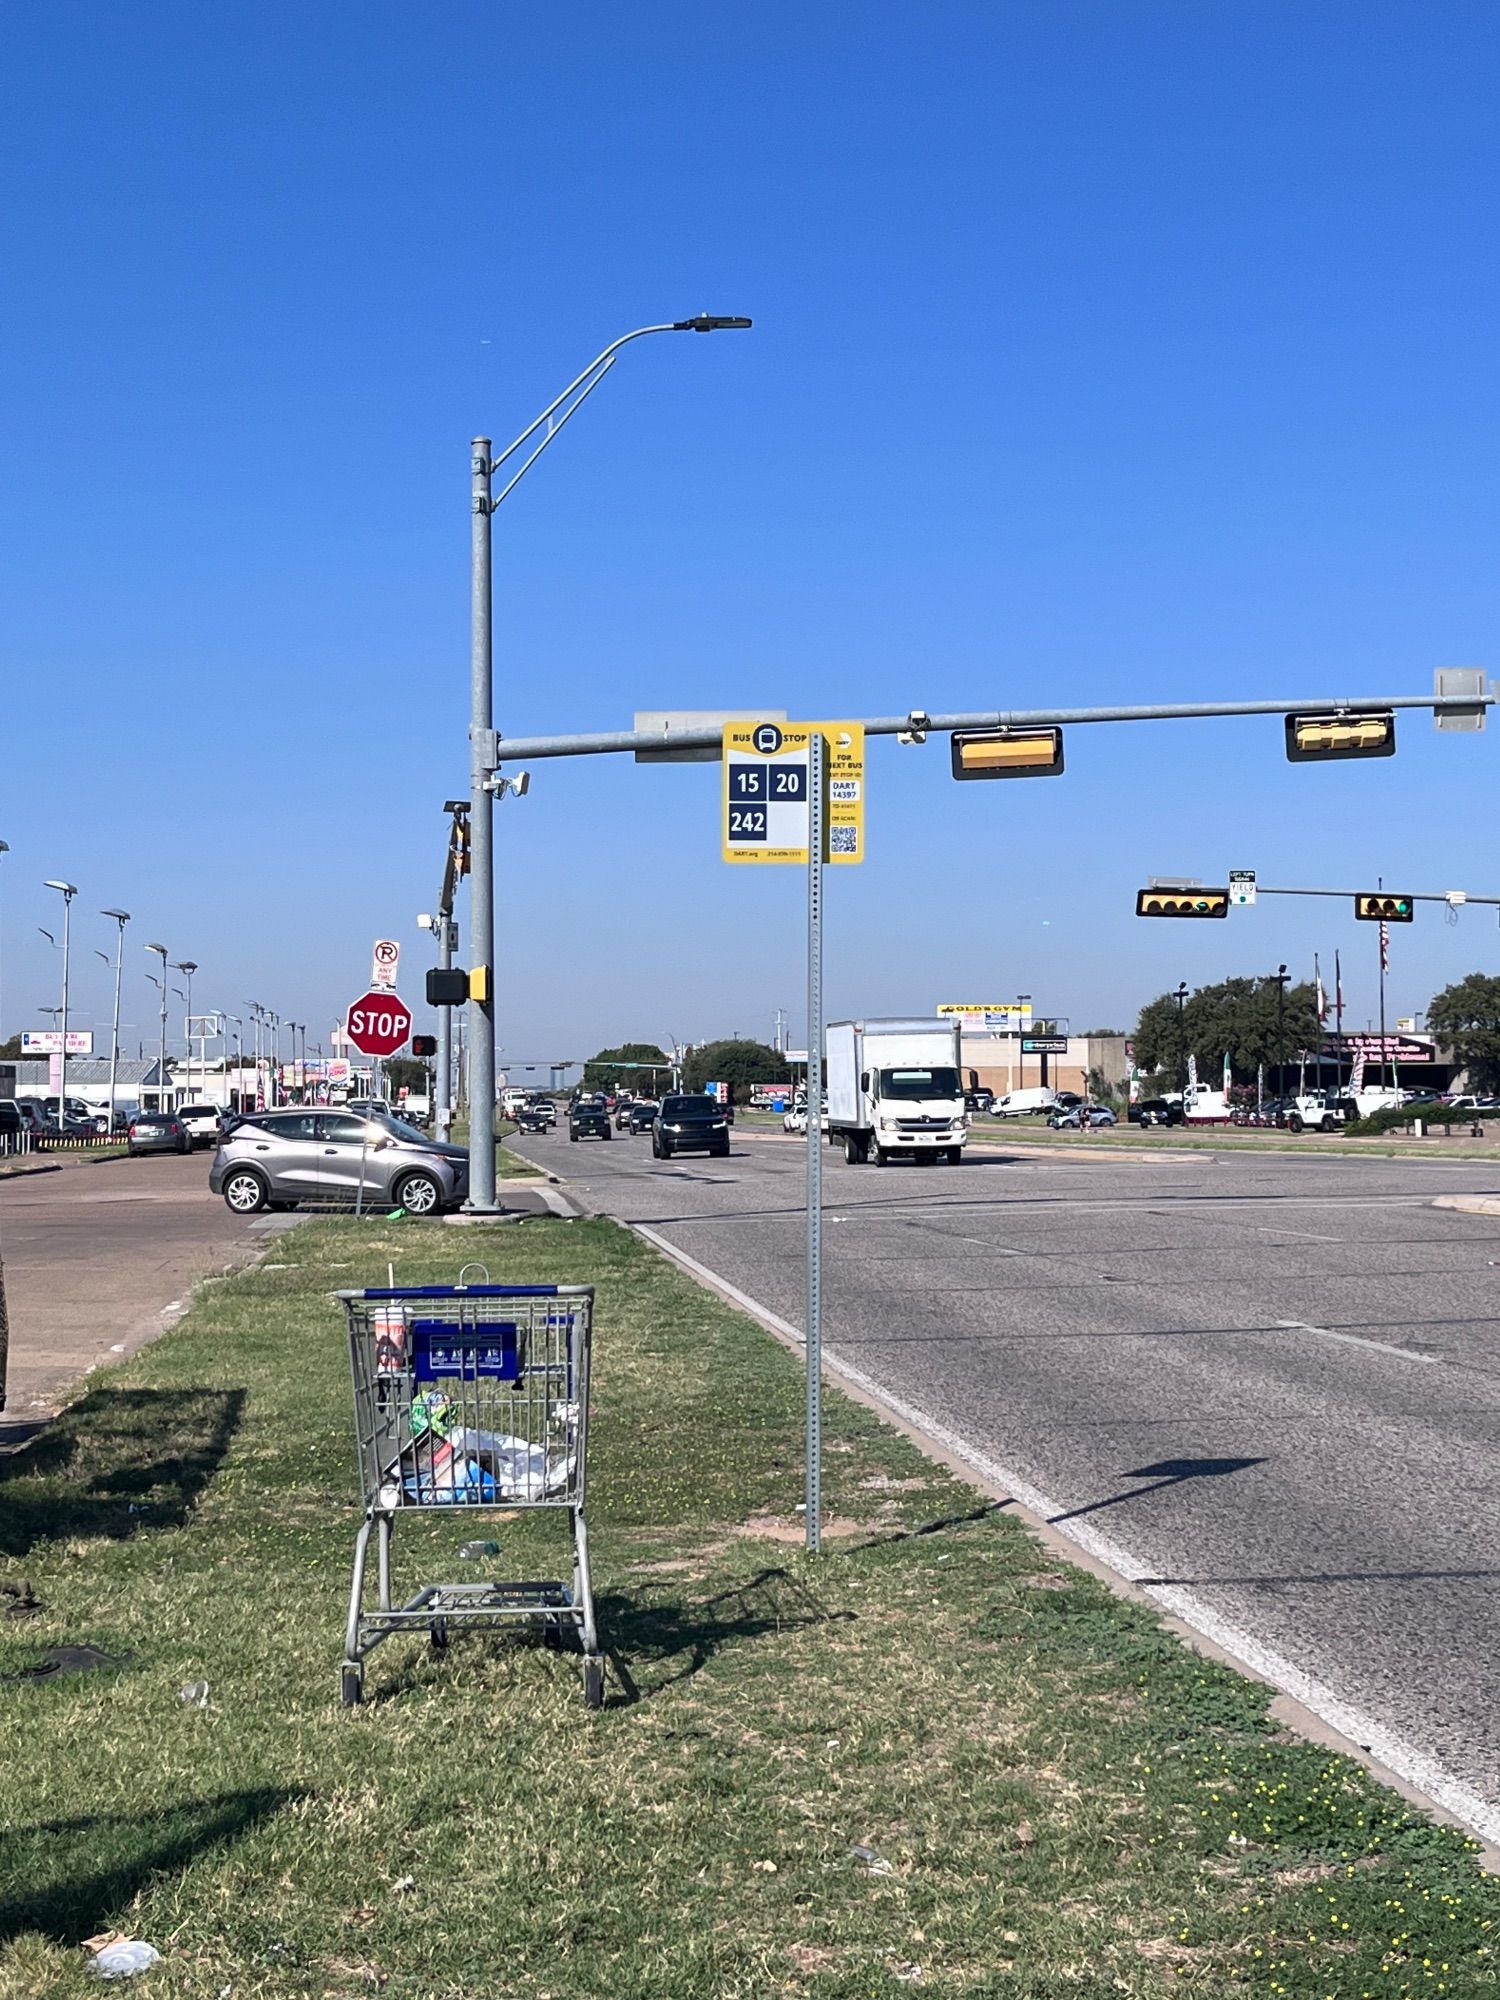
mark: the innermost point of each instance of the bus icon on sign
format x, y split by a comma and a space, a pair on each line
767, 739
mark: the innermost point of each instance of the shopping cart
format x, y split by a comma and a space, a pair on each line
470, 1397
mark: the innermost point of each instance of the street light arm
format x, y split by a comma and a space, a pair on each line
599, 361
583, 386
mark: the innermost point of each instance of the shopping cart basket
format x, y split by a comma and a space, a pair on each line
470, 1397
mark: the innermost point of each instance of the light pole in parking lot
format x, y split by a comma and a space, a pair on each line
122, 918
161, 1060
187, 967
1282, 975
67, 890
483, 746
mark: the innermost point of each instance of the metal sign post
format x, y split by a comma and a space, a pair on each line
817, 753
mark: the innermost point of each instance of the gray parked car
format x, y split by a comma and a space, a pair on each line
278, 1159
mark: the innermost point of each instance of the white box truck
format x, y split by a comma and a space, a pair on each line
896, 1087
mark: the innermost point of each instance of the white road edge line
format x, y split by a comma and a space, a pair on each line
1408, 1763
1358, 1340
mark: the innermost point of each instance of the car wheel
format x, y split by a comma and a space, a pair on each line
882, 1157
418, 1194
721, 1152
1330, 1125
1294, 1123
607, 1133
245, 1192
666, 1151
573, 1138
955, 1156
853, 1153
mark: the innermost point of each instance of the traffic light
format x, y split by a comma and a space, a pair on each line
424, 1045
1007, 753
1314, 739
1182, 903
447, 988
1384, 909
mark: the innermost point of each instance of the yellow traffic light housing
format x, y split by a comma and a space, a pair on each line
1384, 909
1315, 739
1182, 903
1007, 753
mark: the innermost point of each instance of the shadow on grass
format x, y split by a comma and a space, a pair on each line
667, 1643
70, 1878
114, 1463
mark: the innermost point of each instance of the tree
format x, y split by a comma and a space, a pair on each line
605, 1072
10, 1049
1242, 1018
735, 1063
1466, 1016
408, 1072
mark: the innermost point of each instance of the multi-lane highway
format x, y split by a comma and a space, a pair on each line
1268, 1388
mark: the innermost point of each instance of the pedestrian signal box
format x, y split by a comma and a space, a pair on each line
1182, 903
1384, 909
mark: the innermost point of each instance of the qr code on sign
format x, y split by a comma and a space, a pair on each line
843, 839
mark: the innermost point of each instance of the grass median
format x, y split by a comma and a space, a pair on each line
933, 1759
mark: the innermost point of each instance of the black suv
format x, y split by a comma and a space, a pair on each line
689, 1125
1156, 1111
589, 1119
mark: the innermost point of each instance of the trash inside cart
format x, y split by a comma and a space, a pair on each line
470, 1397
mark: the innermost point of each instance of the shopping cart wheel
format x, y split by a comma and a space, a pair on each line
593, 1683
437, 1635
353, 1687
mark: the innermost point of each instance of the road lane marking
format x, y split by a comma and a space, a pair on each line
1407, 1760
1358, 1340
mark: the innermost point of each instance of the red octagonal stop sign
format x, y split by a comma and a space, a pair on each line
378, 1024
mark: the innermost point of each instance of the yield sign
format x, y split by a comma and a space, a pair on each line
379, 1024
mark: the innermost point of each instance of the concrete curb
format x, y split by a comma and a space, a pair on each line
1469, 1204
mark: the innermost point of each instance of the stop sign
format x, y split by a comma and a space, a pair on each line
378, 1024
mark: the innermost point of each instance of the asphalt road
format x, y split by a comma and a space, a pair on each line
100, 1258
1268, 1388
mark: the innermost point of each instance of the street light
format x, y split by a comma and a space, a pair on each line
67, 890
483, 746
1281, 979
122, 918
239, 1059
161, 1061
1181, 997
187, 967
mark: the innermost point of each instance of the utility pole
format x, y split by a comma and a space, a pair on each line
68, 891
161, 1060
1181, 997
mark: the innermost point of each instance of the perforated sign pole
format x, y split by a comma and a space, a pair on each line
817, 752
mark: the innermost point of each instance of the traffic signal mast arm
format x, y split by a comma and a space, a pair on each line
918, 724
1455, 898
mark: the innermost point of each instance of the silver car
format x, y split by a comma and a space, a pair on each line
335, 1159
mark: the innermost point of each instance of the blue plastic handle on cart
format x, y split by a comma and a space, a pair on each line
486, 1351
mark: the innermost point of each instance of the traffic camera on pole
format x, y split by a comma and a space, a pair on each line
1384, 909
1007, 753
1182, 903
1315, 739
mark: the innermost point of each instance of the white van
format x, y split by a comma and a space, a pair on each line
1023, 1103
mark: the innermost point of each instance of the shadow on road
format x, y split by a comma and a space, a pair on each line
1166, 1472
70, 1878
114, 1463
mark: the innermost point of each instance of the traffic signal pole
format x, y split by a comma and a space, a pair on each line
481, 1016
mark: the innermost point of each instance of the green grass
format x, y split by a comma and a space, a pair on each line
1220, 1138
1061, 1799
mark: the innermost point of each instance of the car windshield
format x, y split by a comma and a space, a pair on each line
398, 1127
690, 1107
913, 1083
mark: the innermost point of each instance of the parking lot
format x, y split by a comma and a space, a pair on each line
1266, 1387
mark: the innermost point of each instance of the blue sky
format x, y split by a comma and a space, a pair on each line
1101, 354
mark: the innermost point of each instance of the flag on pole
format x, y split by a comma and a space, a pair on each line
1322, 996
1228, 1075
1338, 994
1385, 947
1357, 1075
